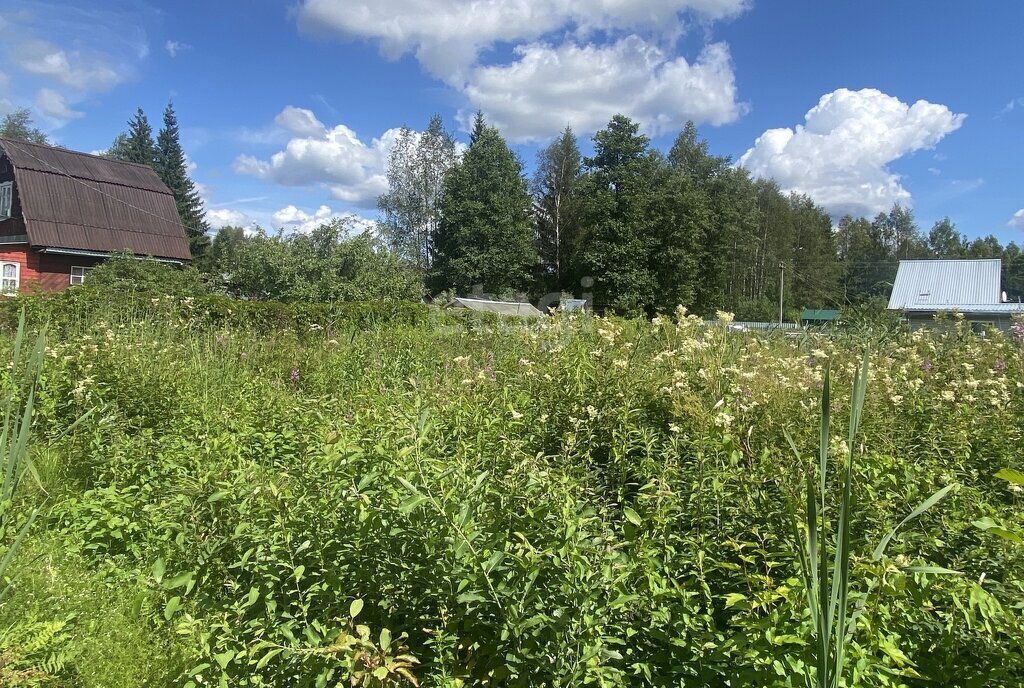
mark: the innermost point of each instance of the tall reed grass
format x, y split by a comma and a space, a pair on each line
828, 588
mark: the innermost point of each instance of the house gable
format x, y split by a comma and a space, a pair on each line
77, 202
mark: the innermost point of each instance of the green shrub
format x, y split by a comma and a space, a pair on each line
124, 274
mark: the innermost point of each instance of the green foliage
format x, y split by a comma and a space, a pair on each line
67, 311
136, 145
622, 237
558, 213
828, 587
417, 166
19, 397
224, 248
67, 625
573, 501
122, 273
17, 125
32, 654
484, 236
325, 265
170, 164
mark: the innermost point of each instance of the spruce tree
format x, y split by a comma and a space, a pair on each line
137, 144
170, 165
621, 243
479, 127
484, 235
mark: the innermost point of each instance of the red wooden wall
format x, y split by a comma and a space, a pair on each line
42, 270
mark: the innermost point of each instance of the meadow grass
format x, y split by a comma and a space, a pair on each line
576, 501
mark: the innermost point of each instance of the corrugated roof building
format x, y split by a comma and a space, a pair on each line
62, 211
924, 288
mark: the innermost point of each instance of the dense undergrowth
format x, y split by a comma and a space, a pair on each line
456, 502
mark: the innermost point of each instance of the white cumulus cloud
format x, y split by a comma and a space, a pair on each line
300, 121
1017, 221
547, 87
226, 217
447, 35
293, 219
53, 104
840, 155
336, 158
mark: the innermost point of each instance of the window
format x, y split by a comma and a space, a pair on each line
6, 199
78, 274
10, 274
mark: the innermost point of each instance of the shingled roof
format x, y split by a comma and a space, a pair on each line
76, 201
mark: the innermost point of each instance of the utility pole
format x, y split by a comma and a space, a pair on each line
782, 284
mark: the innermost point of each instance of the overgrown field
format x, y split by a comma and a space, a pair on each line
564, 503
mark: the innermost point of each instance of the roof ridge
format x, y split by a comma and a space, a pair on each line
62, 149
949, 260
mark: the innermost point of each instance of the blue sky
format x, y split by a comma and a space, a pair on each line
288, 108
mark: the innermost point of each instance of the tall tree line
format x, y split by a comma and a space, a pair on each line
642, 231
636, 229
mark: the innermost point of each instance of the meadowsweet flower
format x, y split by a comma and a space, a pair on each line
724, 420
725, 317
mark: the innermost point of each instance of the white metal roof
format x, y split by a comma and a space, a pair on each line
513, 308
946, 284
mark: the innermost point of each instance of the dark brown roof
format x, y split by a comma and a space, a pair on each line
76, 201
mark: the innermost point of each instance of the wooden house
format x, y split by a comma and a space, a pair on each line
62, 212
